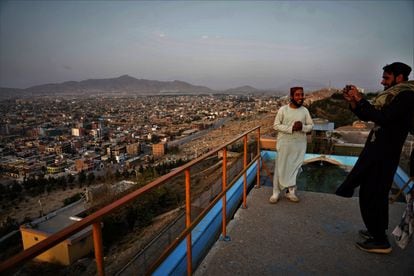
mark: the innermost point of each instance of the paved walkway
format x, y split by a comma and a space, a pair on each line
314, 237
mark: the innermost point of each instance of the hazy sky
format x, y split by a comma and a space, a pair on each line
219, 44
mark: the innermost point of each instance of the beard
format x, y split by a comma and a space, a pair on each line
295, 103
391, 85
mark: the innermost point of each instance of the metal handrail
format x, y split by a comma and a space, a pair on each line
95, 218
197, 220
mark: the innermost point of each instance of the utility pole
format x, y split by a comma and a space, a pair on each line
41, 208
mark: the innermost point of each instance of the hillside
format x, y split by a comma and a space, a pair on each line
333, 108
123, 85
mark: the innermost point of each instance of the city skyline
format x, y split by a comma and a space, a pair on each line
218, 44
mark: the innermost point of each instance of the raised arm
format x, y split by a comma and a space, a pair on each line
400, 108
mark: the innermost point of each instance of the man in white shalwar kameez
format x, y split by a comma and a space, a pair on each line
292, 122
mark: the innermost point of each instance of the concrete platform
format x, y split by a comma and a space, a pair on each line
314, 237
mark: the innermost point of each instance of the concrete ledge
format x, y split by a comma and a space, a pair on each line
268, 143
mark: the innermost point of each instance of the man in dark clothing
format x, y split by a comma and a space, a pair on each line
392, 113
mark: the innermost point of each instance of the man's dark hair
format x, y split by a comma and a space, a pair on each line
398, 68
293, 89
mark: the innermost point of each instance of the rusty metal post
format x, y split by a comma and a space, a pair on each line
188, 221
258, 160
245, 173
97, 242
224, 199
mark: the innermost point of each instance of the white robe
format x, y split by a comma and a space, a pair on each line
290, 146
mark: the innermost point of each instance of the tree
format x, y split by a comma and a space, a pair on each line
174, 150
3, 192
81, 178
16, 188
8, 225
61, 182
109, 176
117, 175
126, 174
91, 178
131, 217
71, 178
72, 199
155, 139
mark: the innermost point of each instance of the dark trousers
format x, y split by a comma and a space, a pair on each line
373, 203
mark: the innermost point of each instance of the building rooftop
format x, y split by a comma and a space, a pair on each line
56, 221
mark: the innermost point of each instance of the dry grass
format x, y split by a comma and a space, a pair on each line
30, 206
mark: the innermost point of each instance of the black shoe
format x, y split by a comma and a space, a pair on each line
373, 246
365, 234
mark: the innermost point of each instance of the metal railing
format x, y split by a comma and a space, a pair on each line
96, 218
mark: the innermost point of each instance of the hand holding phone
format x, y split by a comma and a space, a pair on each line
352, 93
346, 92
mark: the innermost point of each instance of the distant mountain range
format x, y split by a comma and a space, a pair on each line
127, 85
123, 85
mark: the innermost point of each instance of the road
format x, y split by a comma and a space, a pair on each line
199, 134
